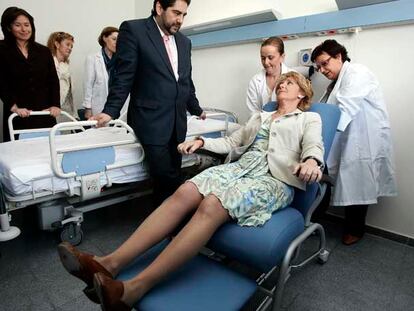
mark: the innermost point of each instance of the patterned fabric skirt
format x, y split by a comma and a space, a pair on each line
245, 188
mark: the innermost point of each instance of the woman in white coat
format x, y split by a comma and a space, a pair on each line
99, 72
361, 158
261, 88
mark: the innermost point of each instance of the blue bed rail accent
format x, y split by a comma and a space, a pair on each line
89, 161
34, 135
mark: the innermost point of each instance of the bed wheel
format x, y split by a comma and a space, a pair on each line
71, 233
323, 257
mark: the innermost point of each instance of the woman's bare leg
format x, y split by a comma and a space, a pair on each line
206, 220
155, 227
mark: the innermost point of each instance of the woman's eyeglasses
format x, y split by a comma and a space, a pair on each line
323, 64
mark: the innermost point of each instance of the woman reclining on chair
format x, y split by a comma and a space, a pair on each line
271, 154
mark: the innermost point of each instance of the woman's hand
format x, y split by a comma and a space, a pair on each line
188, 147
54, 111
22, 112
308, 171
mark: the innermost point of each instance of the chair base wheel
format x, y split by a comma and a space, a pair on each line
323, 256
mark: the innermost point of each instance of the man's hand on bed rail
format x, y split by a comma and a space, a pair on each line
102, 119
188, 147
203, 115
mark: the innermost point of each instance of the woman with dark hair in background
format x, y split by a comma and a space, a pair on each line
61, 44
28, 74
99, 71
261, 88
361, 158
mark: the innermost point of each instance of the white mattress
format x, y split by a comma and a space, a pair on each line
25, 165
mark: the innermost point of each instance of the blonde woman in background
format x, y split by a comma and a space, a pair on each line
99, 72
261, 88
61, 44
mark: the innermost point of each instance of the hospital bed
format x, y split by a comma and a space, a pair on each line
69, 169
273, 251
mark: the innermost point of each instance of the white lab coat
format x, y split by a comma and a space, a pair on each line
257, 95
361, 158
96, 84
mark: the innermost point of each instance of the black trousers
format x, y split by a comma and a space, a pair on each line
165, 169
355, 216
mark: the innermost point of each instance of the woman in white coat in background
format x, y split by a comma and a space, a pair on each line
99, 72
361, 158
261, 88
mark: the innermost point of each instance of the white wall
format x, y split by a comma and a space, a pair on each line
143, 8
83, 19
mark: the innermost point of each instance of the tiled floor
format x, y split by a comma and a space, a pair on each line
375, 274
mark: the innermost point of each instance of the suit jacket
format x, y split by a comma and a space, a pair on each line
293, 138
30, 83
159, 102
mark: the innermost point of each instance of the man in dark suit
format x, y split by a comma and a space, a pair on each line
154, 66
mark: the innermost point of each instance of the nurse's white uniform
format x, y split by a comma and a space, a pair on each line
361, 159
258, 93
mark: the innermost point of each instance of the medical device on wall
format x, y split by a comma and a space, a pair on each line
305, 57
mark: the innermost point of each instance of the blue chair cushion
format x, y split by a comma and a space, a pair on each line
261, 247
217, 287
270, 106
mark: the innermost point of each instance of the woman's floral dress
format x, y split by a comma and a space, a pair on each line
245, 188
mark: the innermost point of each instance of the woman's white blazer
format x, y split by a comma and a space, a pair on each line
95, 83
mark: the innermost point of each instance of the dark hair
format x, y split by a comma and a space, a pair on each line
9, 16
107, 31
332, 48
276, 42
165, 4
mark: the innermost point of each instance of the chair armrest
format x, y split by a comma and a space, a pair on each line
327, 180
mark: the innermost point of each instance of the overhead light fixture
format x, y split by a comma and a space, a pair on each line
268, 15
347, 4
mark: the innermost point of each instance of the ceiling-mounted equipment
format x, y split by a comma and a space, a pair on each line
349, 4
268, 15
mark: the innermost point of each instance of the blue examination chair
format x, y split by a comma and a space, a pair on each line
207, 283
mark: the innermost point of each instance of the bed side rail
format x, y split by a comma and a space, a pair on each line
212, 115
55, 151
14, 132
232, 116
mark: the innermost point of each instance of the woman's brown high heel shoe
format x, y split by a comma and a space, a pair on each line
82, 266
110, 292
